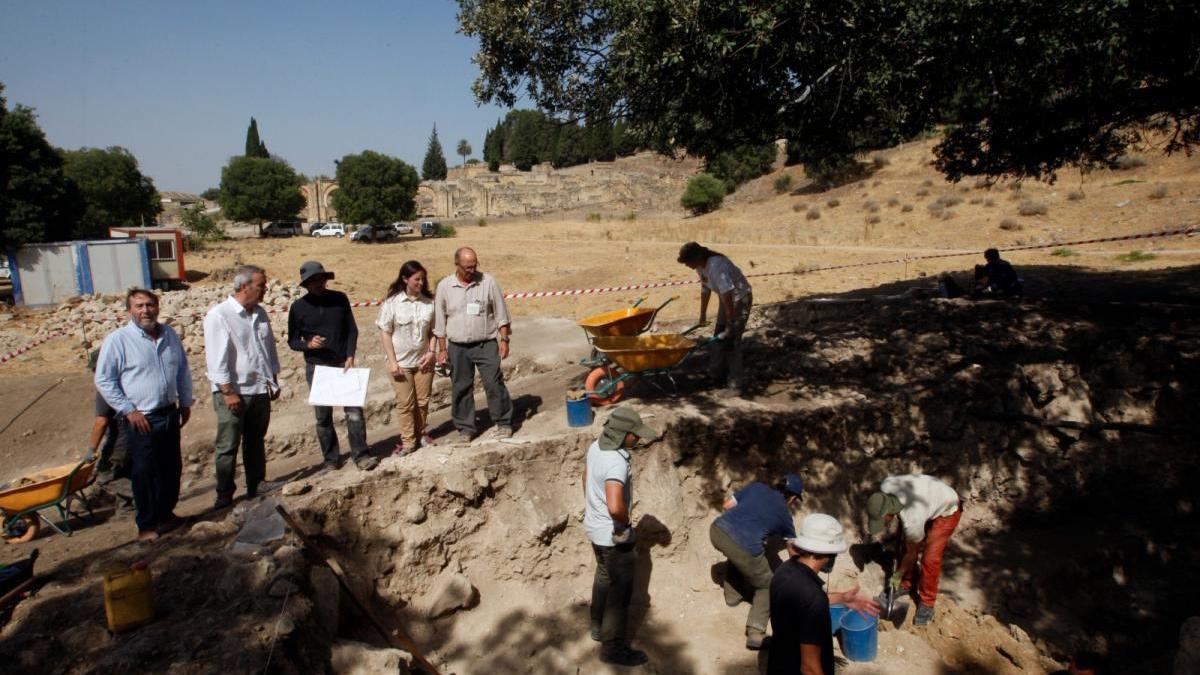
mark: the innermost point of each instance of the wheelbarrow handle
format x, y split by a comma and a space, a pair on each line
638, 301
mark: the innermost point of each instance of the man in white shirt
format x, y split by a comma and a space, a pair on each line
929, 510
239, 348
608, 494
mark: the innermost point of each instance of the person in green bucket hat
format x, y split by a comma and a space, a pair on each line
607, 493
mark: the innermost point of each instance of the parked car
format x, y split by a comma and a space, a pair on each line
402, 228
428, 228
282, 228
314, 226
330, 230
373, 233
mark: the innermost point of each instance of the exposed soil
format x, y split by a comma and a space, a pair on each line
1065, 420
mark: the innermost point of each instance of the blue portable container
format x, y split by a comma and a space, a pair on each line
579, 413
860, 636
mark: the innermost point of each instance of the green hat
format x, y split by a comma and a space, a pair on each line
622, 421
879, 505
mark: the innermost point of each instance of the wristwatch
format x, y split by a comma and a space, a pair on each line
504, 338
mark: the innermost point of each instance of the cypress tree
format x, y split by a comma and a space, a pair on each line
434, 166
254, 145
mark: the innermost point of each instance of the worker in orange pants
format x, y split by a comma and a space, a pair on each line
929, 511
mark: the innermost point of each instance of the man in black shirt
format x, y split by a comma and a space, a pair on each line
321, 324
802, 640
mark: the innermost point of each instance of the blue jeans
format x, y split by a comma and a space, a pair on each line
157, 467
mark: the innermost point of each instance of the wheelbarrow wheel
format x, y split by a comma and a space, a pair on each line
22, 530
602, 379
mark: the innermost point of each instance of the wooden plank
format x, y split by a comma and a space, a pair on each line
397, 640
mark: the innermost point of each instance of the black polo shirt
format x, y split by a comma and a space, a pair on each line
799, 615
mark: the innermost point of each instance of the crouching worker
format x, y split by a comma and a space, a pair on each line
997, 278
929, 511
606, 520
752, 514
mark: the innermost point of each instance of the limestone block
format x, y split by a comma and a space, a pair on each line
451, 591
359, 658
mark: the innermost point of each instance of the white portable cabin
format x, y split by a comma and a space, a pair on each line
46, 274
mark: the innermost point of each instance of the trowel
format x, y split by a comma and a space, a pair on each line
895, 609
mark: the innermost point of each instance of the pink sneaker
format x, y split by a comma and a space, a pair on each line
427, 441
398, 451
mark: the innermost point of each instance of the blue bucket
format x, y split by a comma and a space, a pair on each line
836, 612
860, 636
579, 413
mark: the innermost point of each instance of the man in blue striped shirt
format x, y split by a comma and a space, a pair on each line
143, 374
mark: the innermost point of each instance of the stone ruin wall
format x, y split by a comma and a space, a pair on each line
643, 181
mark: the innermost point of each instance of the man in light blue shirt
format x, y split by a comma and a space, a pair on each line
143, 374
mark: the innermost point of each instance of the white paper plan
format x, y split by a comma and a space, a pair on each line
338, 387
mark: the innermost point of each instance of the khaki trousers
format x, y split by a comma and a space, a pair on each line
412, 401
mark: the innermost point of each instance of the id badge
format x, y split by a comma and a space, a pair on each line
474, 309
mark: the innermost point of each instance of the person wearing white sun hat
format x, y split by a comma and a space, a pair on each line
802, 640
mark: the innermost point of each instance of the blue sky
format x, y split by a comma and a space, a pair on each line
176, 83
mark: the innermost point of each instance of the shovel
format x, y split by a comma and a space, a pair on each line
895, 609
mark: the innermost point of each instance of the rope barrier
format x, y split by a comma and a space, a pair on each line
567, 292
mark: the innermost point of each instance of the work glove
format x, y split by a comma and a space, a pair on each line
623, 534
894, 582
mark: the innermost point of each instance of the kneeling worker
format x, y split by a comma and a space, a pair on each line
752, 514
929, 510
606, 520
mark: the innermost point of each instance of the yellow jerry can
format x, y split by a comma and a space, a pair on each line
128, 598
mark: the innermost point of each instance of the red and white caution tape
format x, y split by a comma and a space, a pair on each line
1183, 231
5, 358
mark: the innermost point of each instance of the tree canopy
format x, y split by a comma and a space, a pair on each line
1024, 86
255, 147
37, 200
464, 150
434, 166
527, 137
374, 188
257, 189
114, 190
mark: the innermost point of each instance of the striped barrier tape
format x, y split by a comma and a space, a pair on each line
1183, 231
5, 358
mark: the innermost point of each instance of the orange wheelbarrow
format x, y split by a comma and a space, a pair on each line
633, 320
639, 356
23, 503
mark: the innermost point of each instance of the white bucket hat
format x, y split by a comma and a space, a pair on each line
820, 533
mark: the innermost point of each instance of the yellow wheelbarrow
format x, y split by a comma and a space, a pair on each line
639, 356
22, 503
632, 320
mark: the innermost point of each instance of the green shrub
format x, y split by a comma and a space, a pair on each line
1063, 253
632, 215
593, 217
201, 228
704, 193
1136, 256
482, 222
783, 183
443, 230
1030, 207
1127, 162
741, 164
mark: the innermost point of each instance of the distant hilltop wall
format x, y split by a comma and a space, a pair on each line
643, 181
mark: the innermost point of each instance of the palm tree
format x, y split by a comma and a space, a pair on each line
464, 150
